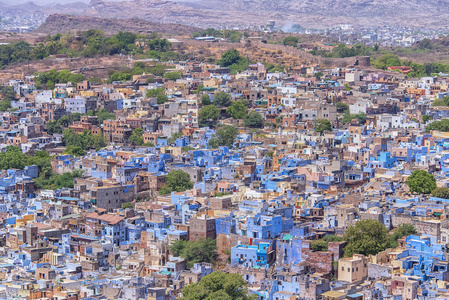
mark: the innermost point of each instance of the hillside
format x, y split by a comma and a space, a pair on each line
58, 23
205, 13
30, 7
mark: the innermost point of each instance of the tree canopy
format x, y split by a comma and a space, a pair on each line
323, 125
13, 158
159, 94
136, 138
291, 41
229, 57
178, 180
174, 137
441, 192
366, 237
218, 285
48, 79
421, 182
222, 99
205, 100
208, 116
253, 120
224, 136
85, 140
441, 125
232, 60
341, 107
173, 75
401, 231
57, 181
237, 110
102, 115
348, 117
203, 250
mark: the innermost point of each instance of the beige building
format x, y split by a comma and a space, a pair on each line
353, 269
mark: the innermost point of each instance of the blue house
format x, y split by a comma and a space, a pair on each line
260, 255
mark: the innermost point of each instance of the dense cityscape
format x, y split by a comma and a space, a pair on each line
253, 162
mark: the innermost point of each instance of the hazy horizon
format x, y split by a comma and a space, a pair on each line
46, 2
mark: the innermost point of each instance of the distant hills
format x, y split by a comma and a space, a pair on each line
230, 13
317, 13
30, 7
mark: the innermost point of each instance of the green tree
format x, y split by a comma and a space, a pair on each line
178, 180
174, 137
129, 205
173, 75
222, 99
205, 100
225, 136
208, 116
441, 192
75, 151
291, 41
348, 117
71, 138
84, 140
386, 60
332, 238
341, 107
7, 92
7, 95
136, 138
203, 250
442, 125
253, 120
426, 118
177, 247
5, 105
229, 58
50, 180
318, 245
366, 237
13, 158
53, 127
237, 110
165, 190
159, 94
103, 115
218, 285
318, 75
401, 231
421, 182
323, 125
99, 141
39, 158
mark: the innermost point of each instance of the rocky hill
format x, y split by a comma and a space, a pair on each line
30, 7
321, 13
58, 23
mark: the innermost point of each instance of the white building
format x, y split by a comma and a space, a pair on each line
75, 105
